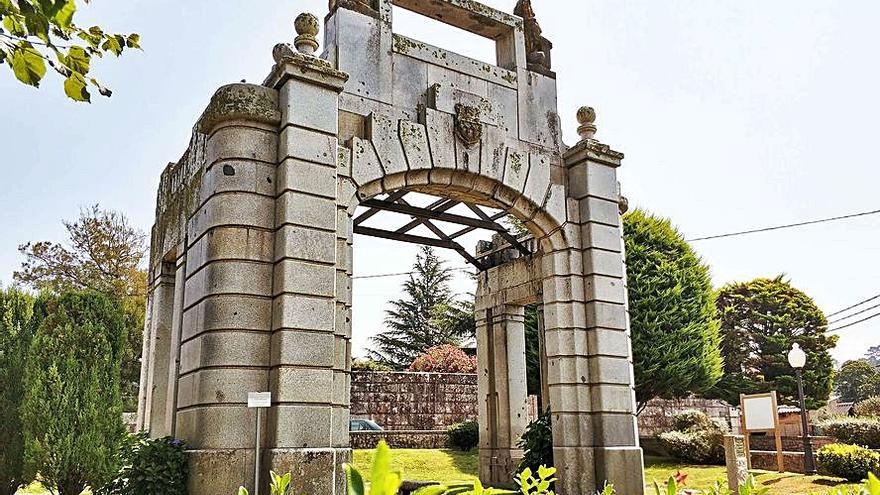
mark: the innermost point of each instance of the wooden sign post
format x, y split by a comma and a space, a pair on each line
759, 413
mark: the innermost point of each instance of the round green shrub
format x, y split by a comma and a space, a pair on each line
695, 438
152, 466
848, 461
464, 435
869, 407
863, 431
692, 419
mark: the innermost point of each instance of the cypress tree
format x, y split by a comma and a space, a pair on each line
16, 309
72, 411
675, 327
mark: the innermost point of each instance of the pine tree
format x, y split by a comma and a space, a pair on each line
72, 410
16, 309
428, 316
760, 320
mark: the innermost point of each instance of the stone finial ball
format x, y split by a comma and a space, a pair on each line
306, 24
586, 115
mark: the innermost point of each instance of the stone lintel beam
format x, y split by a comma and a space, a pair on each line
290, 64
240, 102
465, 14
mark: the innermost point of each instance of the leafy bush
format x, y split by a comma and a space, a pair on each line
869, 407
445, 358
848, 461
152, 466
16, 308
856, 431
465, 435
537, 443
696, 439
72, 409
692, 419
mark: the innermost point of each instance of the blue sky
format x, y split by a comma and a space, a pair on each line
732, 115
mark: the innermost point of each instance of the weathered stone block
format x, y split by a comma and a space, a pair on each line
300, 277
217, 427
242, 142
305, 243
219, 386
593, 179
300, 426
302, 385
227, 312
306, 211
298, 348
303, 313
308, 105
303, 144
307, 177
224, 348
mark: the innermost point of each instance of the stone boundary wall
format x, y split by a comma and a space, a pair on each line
413, 401
401, 439
657, 415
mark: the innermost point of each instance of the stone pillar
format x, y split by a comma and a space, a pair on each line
501, 358
162, 316
601, 355
143, 383
308, 421
227, 304
174, 359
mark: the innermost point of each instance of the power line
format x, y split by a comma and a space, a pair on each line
787, 226
400, 274
844, 310
854, 314
875, 315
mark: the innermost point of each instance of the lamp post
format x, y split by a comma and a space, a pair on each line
797, 358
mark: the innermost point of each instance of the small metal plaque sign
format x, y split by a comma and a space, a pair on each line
259, 399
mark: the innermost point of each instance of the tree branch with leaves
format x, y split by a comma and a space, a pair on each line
36, 34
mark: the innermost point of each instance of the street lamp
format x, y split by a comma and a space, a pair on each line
797, 358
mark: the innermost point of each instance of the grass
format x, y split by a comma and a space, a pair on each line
449, 465
452, 465
429, 465
700, 477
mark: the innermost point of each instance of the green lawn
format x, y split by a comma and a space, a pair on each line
451, 465
448, 465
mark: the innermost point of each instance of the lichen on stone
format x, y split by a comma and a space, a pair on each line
240, 101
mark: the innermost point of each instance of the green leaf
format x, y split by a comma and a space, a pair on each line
354, 480
133, 41
114, 44
15, 24
242, 491
37, 25
27, 64
76, 89
64, 17
78, 60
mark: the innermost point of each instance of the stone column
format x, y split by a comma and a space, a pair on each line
227, 304
501, 359
605, 362
174, 359
162, 316
141, 421
308, 421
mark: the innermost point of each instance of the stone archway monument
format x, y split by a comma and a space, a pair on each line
251, 259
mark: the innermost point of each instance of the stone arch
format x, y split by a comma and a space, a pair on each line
258, 214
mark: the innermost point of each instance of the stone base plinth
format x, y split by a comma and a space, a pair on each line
586, 469
497, 466
213, 472
314, 471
